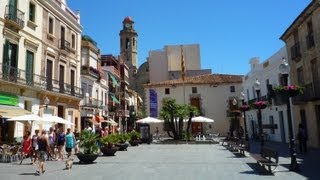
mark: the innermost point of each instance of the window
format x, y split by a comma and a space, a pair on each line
232, 89
133, 42
194, 90
167, 91
32, 11
309, 37
84, 88
73, 41
300, 76
127, 43
50, 26
248, 95
90, 90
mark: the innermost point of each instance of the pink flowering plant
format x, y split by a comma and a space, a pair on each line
289, 91
244, 107
260, 104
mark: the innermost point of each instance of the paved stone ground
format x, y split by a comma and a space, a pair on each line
155, 162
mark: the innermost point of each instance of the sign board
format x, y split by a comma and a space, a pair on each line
8, 99
153, 103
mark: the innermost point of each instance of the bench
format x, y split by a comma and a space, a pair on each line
241, 146
267, 157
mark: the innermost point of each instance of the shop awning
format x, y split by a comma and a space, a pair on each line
114, 80
12, 111
115, 99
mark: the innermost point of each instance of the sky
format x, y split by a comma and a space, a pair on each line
229, 32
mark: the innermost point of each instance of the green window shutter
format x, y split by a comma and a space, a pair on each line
29, 67
13, 9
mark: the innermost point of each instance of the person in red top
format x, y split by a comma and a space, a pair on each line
26, 146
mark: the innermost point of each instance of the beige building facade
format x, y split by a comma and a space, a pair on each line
302, 40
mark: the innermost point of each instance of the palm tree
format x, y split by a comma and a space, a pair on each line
174, 114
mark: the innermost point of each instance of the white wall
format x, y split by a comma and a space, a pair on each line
213, 101
268, 69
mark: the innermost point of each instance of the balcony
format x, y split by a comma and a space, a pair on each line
112, 70
64, 45
23, 78
91, 71
92, 102
311, 93
295, 52
14, 17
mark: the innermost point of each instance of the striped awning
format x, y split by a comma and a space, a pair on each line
114, 80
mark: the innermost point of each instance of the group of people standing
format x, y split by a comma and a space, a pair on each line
48, 146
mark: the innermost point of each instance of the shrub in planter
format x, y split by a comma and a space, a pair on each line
134, 138
123, 142
89, 147
108, 145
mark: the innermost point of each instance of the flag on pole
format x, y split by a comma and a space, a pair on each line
183, 66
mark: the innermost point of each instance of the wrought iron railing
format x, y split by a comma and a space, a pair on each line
65, 45
92, 102
15, 15
22, 77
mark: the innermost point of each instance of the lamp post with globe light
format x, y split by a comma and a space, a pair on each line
46, 102
257, 89
284, 70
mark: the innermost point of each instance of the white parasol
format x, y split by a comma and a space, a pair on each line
202, 119
149, 120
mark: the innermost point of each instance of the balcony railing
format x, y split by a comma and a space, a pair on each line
92, 102
14, 16
21, 77
311, 93
65, 45
85, 70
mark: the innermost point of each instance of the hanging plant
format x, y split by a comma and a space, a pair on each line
289, 91
244, 108
260, 105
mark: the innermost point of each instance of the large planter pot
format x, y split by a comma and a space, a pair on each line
123, 146
109, 151
87, 158
134, 142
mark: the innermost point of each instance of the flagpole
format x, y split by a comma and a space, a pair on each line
183, 76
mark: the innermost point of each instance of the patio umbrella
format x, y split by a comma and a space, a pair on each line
202, 119
56, 119
29, 117
149, 120
112, 122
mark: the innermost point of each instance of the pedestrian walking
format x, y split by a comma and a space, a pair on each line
70, 142
44, 147
35, 146
61, 138
52, 143
302, 138
26, 147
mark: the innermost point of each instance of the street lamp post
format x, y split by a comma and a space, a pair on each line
257, 88
242, 97
284, 70
234, 103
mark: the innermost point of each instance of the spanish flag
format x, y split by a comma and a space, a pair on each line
183, 66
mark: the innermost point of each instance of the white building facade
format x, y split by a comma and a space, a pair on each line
209, 93
274, 117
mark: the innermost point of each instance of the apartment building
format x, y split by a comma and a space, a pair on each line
302, 39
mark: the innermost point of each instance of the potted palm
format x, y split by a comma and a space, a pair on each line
134, 138
88, 146
123, 142
108, 145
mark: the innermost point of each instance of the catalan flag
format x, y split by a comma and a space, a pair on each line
183, 66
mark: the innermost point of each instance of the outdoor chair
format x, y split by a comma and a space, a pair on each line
9, 154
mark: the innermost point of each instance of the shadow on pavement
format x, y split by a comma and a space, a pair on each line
256, 169
79, 163
27, 174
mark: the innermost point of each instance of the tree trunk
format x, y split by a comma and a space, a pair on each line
180, 128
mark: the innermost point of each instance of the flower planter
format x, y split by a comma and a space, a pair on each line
244, 108
134, 142
109, 151
87, 158
289, 91
260, 105
123, 146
